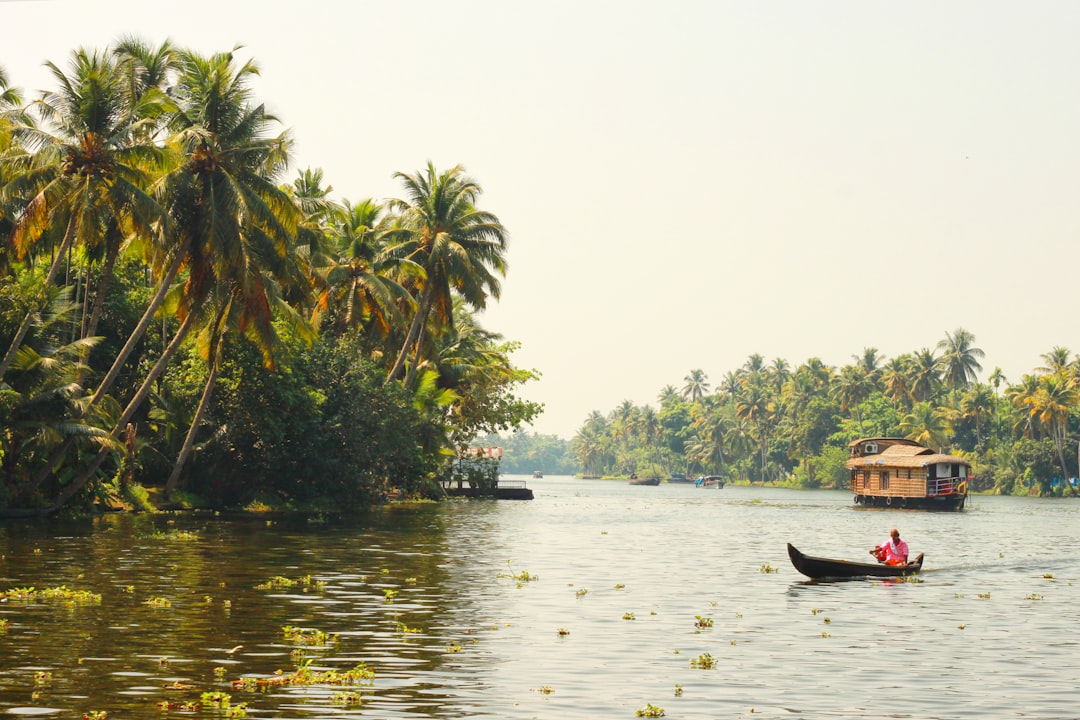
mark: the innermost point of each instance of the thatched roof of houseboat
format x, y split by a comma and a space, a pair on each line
905, 456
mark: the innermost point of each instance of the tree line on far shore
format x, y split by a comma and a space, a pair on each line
176, 314
773, 422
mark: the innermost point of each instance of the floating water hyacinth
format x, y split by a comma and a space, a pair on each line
64, 593
705, 661
283, 583
306, 676
308, 636
345, 698
650, 711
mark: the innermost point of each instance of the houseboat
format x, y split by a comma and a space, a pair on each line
899, 473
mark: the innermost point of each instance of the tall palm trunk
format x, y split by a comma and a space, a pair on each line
27, 321
144, 390
415, 327
144, 323
189, 439
114, 371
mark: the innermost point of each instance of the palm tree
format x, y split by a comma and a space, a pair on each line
233, 226
925, 375
868, 363
668, 394
779, 372
1057, 361
927, 426
978, 404
960, 359
1051, 404
851, 388
696, 387
87, 163
997, 378
460, 248
1020, 397
758, 407
896, 377
359, 276
43, 405
236, 220
730, 384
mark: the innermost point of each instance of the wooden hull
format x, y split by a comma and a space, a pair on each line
822, 568
946, 503
645, 481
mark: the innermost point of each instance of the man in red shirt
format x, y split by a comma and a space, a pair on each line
893, 551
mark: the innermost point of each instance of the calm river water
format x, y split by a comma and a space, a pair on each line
620, 577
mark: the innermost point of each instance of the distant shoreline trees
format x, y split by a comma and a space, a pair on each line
777, 424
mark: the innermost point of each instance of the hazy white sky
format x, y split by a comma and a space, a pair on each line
687, 183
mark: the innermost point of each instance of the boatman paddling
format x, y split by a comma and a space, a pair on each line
893, 551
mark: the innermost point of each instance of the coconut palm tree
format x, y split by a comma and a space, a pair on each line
927, 426
86, 161
696, 387
237, 221
1051, 404
1020, 397
959, 359
757, 406
851, 388
360, 285
668, 394
896, 378
978, 404
1057, 360
925, 375
868, 363
232, 225
460, 248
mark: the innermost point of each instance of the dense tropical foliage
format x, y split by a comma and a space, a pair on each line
175, 313
771, 422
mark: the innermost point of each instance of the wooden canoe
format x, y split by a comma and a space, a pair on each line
820, 568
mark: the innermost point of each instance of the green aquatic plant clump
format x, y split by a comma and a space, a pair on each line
283, 583
63, 593
650, 711
306, 676
308, 636
705, 661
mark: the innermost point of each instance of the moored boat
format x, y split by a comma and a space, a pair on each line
823, 568
645, 481
901, 473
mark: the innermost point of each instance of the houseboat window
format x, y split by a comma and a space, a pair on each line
866, 478
884, 481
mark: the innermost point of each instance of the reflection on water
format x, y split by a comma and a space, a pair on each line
433, 597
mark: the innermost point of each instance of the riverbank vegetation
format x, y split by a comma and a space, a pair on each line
176, 312
777, 423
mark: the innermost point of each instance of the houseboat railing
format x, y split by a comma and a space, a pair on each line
945, 486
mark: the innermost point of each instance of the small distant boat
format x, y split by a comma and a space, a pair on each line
679, 478
822, 568
645, 481
709, 481
537, 474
